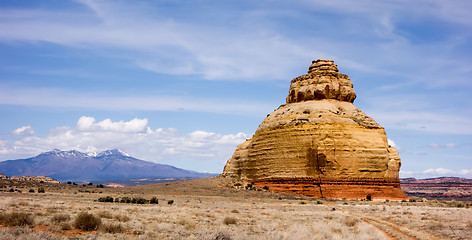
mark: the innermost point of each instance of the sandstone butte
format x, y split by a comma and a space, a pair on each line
319, 144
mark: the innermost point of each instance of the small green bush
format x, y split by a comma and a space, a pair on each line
125, 200
106, 199
87, 222
154, 200
139, 200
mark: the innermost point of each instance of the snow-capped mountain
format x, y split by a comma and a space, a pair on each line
78, 167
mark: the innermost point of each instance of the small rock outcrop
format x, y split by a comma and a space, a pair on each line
319, 144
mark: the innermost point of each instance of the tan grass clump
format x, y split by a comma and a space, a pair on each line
14, 219
112, 228
59, 218
87, 222
230, 220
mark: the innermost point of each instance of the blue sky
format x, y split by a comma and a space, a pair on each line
184, 82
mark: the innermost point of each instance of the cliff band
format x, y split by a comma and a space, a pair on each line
319, 144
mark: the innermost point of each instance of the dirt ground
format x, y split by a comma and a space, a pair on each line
221, 208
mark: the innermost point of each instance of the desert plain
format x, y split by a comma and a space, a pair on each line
217, 208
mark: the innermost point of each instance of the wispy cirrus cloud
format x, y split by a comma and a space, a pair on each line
65, 98
250, 43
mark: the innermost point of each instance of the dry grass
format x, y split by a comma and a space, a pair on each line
112, 228
216, 213
14, 219
87, 222
230, 220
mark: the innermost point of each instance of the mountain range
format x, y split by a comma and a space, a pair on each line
77, 166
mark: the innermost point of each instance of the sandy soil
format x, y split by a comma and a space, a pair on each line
215, 208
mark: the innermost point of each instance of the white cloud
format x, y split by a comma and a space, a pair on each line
23, 131
198, 150
87, 124
393, 144
447, 145
438, 171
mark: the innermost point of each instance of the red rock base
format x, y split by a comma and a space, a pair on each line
361, 188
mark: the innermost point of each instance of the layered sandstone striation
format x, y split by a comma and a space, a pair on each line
319, 144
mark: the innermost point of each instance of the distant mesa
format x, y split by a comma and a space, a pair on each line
319, 144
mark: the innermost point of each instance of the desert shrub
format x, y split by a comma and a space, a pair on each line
170, 202
412, 200
121, 218
154, 200
188, 225
17, 219
87, 222
302, 202
117, 200
368, 197
65, 226
436, 226
230, 220
31, 190
106, 199
62, 217
234, 211
265, 188
112, 228
125, 200
460, 204
105, 214
12, 190
319, 202
41, 190
138, 200
350, 222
